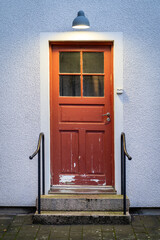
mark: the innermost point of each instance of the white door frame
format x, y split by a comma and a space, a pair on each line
117, 39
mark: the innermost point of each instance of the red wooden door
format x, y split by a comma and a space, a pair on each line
80, 94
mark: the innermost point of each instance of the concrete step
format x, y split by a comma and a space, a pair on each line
82, 217
81, 202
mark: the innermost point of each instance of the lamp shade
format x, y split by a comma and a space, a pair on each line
80, 22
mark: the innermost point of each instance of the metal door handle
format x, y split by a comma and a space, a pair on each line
106, 114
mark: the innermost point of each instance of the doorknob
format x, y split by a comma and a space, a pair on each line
106, 114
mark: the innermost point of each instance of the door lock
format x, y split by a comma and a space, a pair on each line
108, 119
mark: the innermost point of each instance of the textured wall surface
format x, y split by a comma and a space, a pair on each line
20, 26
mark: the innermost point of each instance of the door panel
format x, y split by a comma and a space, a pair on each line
77, 113
80, 94
94, 152
69, 151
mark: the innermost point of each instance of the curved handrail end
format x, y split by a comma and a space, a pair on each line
124, 146
41, 135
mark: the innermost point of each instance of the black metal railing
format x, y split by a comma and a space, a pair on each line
124, 153
38, 150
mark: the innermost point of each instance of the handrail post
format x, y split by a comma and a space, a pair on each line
124, 186
122, 166
43, 166
124, 153
39, 181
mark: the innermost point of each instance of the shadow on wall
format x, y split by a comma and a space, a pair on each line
124, 98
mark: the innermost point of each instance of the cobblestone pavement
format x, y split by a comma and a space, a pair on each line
20, 227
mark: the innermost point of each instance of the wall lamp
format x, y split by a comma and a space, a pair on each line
80, 22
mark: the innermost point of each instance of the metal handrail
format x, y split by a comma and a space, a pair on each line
124, 147
38, 150
124, 153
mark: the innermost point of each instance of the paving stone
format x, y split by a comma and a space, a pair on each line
139, 229
124, 232
91, 238
92, 231
59, 234
45, 228
9, 236
136, 221
42, 237
61, 227
5, 222
76, 235
28, 219
121, 228
96, 231
141, 236
152, 229
108, 238
25, 237
126, 237
76, 238
19, 219
92, 235
76, 228
154, 236
43, 233
55, 238
13, 229
6, 217
150, 221
92, 227
107, 228
108, 235
59, 238
27, 232
154, 232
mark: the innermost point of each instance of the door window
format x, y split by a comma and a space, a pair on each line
69, 62
70, 85
81, 74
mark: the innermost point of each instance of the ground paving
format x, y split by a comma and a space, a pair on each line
20, 227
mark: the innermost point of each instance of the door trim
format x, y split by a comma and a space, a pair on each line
117, 39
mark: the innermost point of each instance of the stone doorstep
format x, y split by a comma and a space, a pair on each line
100, 202
82, 190
79, 196
81, 217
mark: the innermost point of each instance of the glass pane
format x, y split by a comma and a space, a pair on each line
70, 85
93, 86
93, 62
69, 62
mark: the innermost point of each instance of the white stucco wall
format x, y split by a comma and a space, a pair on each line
20, 26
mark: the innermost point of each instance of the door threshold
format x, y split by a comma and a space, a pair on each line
81, 189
